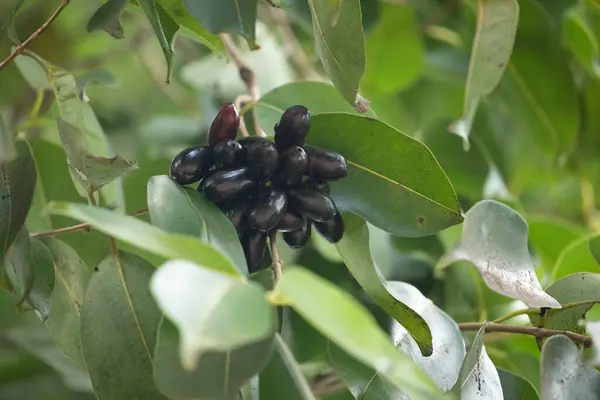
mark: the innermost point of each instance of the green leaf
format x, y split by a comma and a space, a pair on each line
100, 75
71, 279
595, 248
573, 288
349, 325
282, 378
497, 22
549, 236
354, 249
7, 147
16, 193
119, 323
581, 40
403, 190
363, 382
230, 16
165, 29
443, 365
515, 387
218, 375
19, 7
395, 51
146, 236
339, 37
593, 329
33, 267
183, 210
177, 10
212, 311
108, 18
576, 257
494, 240
561, 359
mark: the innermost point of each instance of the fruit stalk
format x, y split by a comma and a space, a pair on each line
276, 262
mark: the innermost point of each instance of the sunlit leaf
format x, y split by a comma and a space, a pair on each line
578, 256
108, 18
549, 236
494, 240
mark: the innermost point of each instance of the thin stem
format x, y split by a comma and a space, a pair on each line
78, 227
276, 262
526, 330
242, 98
538, 311
35, 35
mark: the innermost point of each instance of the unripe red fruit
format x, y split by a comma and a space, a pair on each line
224, 126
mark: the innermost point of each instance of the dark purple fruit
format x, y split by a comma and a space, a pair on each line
292, 164
290, 222
298, 239
292, 128
248, 140
224, 126
261, 159
227, 185
236, 214
332, 230
228, 154
319, 186
324, 164
254, 244
267, 211
314, 205
191, 164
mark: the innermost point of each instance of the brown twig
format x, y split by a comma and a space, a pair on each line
78, 227
242, 98
35, 35
276, 262
246, 75
526, 330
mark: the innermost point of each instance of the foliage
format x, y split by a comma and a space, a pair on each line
471, 250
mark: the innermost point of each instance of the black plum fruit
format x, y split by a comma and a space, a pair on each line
224, 126
254, 244
266, 186
191, 165
332, 230
316, 206
228, 154
324, 164
227, 185
267, 211
292, 128
297, 239
261, 158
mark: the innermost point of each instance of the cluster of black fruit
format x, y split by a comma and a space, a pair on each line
263, 185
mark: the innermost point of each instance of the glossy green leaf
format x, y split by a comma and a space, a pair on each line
185, 211
146, 236
595, 248
492, 47
340, 42
395, 51
33, 267
576, 257
7, 147
16, 193
549, 236
515, 387
443, 365
71, 279
318, 97
108, 18
282, 378
403, 190
346, 323
119, 323
188, 25
231, 16
354, 249
494, 240
218, 375
362, 381
561, 359
581, 40
99, 76
212, 311
9, 26
165, 29
572, 288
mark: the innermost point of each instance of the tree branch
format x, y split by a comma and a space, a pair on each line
526, 330
35, 35
78, 227
538, 311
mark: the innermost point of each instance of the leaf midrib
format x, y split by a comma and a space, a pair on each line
322, 35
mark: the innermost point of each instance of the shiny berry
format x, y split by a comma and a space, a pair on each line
292, 128
292, 164
227, 185
267, 211
236, 214
297, 239
224, 126
228, 154
290, 222
254, 244
191, 165
314, 205
324, 164
319, 186
261, 159
332, 230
